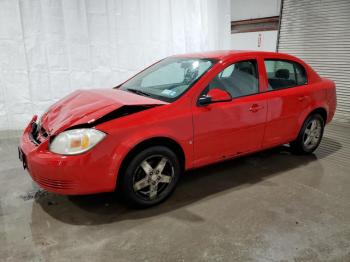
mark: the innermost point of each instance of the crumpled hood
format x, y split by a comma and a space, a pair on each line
87, 106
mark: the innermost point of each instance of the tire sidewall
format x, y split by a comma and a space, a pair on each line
127, 181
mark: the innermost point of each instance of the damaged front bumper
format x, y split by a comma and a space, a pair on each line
86, 173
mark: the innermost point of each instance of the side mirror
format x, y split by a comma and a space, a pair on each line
215, 95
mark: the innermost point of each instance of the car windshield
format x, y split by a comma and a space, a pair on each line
168, 79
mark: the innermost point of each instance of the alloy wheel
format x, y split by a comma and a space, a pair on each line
152, 177
312, 134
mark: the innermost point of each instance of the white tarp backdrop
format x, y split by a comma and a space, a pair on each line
48, 48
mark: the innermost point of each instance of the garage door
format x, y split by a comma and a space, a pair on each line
318, 31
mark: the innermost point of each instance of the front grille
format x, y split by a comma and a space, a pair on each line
37, 134
43, 132
33, 135
55, 184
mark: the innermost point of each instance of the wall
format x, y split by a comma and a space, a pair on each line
249, 9
250, 41
252, 9
50, 48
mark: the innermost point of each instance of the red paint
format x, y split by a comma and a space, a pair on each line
206, 134
218, 95
84, 105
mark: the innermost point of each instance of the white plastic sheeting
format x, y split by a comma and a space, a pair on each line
48, 48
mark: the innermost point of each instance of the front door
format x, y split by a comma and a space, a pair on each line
226, 129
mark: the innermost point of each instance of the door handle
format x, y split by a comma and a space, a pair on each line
302, 98
255, 108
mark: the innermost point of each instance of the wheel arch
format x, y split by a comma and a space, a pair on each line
154, 141
321, 111
297, 144
317, 110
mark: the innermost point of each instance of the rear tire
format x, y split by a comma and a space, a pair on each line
310, 135
150, 177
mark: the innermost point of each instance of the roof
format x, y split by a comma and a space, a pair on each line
223, 54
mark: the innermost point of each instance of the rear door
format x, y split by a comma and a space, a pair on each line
288, 95
226, 129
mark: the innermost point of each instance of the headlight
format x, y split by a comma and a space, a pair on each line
76, 141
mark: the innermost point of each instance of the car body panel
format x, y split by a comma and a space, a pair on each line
285, 107
206, 134
86, 106
289, 107
86, 173
223, 131
173, 122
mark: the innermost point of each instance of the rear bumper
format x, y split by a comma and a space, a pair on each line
86, 173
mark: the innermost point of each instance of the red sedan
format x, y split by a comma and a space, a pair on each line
181, 113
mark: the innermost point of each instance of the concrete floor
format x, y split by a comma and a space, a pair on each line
270, 206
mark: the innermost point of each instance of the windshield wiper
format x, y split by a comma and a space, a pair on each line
139, 92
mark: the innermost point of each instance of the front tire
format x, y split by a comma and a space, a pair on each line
151, 176
310, 135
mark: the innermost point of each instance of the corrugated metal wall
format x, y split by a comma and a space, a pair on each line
318, 31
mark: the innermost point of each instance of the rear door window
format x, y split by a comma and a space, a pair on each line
284, 74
